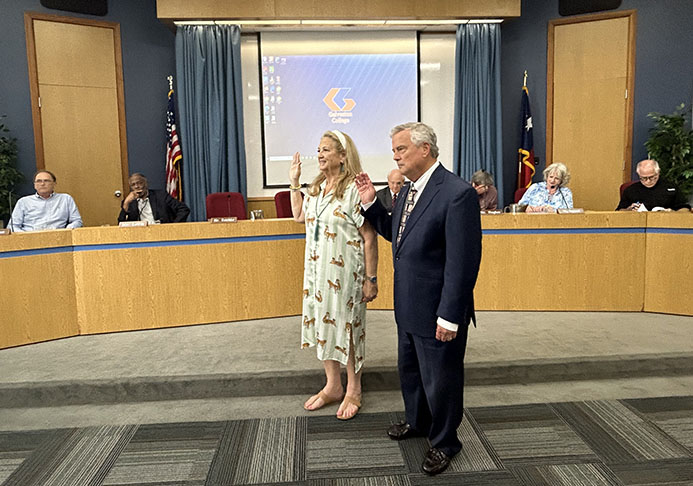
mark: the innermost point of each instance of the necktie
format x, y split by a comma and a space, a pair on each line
408, 206
394, 199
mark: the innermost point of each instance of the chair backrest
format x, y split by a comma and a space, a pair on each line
624, 185
519, 193
225, 204
282, 202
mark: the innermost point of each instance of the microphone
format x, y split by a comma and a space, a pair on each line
10, 226
563, 197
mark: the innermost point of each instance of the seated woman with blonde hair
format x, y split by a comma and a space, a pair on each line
550, 195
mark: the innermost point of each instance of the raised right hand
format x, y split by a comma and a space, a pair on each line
295, 170
365, 188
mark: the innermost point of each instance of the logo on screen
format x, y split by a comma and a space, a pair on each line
340, 106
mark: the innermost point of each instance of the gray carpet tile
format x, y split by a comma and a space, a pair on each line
612, 442
527, 434
617, 433
673, 415
401, 480
660, 473
9, 462
588, 474
167, 453
483, 478
73, 457
356, 447
648, 406
260, 451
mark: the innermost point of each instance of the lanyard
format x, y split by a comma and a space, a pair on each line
318, 201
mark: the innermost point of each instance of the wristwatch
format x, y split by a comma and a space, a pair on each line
373, 279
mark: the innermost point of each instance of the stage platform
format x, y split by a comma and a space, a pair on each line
254, 369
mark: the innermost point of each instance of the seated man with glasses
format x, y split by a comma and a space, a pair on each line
652, 191
46, 209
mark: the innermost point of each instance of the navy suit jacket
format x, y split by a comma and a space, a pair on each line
437, 261
164, 207
385, 197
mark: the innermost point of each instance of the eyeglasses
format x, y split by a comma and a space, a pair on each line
648, 178
42, 181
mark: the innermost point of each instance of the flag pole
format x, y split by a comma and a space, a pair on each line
519, 160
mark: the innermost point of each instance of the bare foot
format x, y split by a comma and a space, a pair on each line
349, 407
319, 400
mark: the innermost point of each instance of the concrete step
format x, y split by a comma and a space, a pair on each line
375, 379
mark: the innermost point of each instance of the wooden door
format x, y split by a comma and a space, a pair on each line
75, 72
590, 104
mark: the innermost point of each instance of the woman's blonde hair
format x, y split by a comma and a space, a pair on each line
559, 169
350, 168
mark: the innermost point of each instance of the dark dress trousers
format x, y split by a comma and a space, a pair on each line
164, 208
435, 269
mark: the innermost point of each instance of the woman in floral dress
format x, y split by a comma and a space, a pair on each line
341, 261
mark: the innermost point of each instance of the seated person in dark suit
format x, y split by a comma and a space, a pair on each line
388, 195
482, 182
652, 191
151, 205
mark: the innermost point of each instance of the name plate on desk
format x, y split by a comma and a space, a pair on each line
5, 231
132, 224
571, 211
229, 219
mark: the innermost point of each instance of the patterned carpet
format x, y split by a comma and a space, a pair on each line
615, 442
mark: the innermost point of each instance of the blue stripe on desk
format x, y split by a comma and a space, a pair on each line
149, 244
206, 241
299, 236
37, 251
672, 231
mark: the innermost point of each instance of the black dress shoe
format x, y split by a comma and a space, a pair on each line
435, 462
402, 431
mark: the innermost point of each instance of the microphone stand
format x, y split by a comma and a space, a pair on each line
563, 197
10, 226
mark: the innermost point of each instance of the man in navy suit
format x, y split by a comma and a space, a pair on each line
435, 230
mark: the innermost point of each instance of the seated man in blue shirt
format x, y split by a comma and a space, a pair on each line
46, 209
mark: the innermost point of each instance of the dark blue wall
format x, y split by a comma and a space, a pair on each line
663, 75
663, 71
148, 57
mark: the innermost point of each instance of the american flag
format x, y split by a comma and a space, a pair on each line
174, 157
526, 168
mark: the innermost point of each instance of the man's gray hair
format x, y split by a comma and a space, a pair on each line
651, 162
420, 133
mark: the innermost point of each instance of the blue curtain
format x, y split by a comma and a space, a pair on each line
210, 104
477, 130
